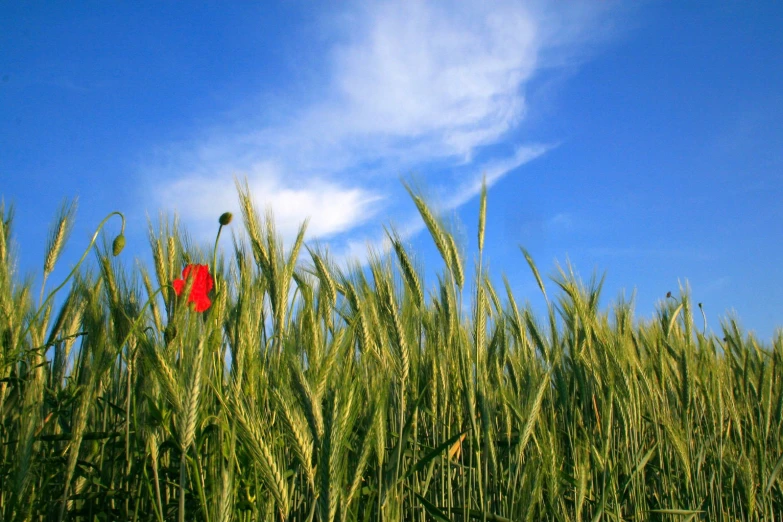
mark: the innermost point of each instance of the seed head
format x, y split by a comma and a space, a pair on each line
225, 218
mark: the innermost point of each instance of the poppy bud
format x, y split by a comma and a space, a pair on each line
225, 218
668, 294
117, 245
169, 333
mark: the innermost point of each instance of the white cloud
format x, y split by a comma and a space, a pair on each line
445, 73
411, 85
330, 207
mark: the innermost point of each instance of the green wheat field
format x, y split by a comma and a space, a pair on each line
292, 389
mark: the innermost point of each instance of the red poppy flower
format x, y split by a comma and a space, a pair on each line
201, 286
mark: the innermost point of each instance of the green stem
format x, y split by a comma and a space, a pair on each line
182, 477
214, 250
214, 261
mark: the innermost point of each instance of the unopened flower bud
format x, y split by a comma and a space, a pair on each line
117, 245
170, 333
225, 218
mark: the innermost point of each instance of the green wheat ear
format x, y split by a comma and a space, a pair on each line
58, 236
482, 214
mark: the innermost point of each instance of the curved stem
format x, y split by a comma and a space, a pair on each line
214, 260
214, 250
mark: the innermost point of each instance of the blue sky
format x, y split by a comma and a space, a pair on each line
642, 140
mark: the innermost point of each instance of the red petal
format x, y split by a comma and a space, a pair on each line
202, 303
202, 284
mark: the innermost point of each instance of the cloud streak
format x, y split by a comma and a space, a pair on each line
330, 207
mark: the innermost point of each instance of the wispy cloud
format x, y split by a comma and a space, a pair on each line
716, 285
330, 207
662, 252
561, 221
442, 75
411, 85
494, 170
